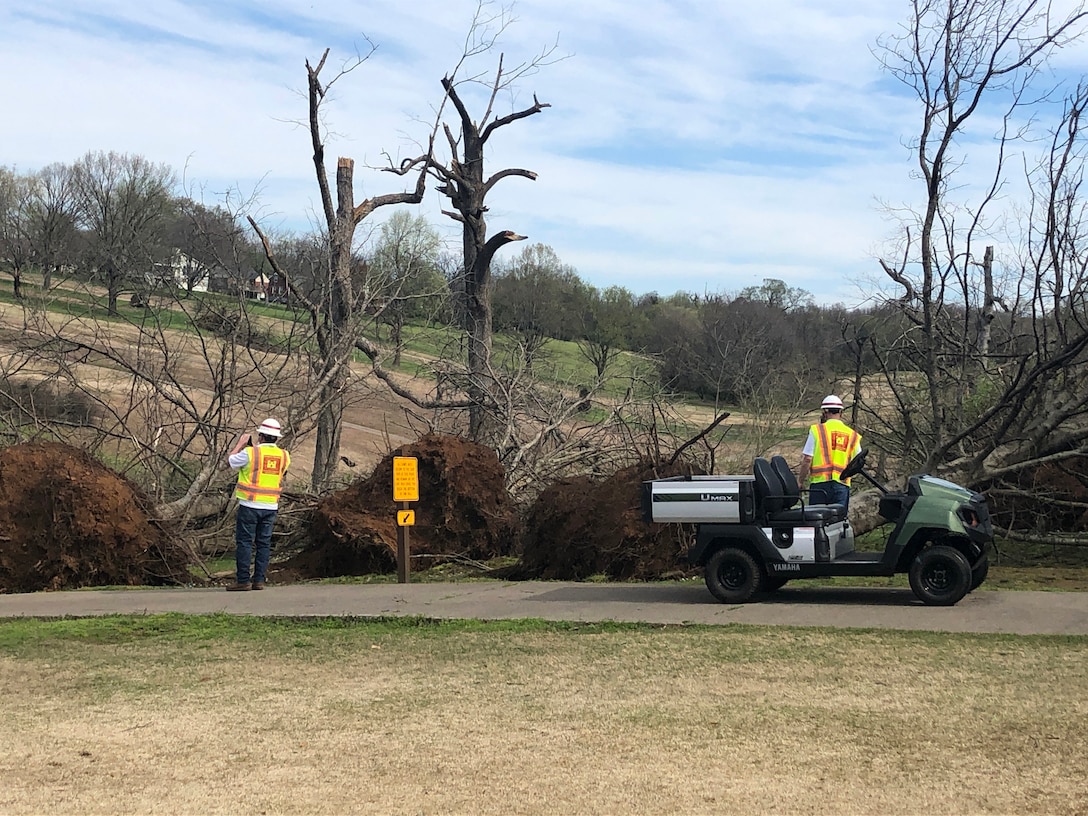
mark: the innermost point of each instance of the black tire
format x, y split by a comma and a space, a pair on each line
732, 575
940, 575
979, 573
773, 583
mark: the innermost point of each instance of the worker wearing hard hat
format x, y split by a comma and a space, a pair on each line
260, 468
829, 448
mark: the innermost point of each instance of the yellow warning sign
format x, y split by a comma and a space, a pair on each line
405, 479
406, 518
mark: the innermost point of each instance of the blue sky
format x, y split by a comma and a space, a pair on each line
690, 145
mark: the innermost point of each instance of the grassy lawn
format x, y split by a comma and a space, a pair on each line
560, 361
224, 714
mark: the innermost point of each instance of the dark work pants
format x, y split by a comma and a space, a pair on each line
253, 527
829, 492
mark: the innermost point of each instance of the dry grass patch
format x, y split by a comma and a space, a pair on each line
169, 714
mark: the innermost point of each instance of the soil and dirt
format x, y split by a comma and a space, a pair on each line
576, 528
580, 527
464, 512
67, 521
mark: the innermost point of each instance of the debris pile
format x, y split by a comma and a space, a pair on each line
579, 528
464, 512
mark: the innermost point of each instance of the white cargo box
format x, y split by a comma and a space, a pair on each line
700, 499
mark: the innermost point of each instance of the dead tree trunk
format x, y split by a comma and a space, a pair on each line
334, 315
465, 184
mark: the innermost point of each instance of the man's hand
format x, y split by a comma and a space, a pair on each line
244, 441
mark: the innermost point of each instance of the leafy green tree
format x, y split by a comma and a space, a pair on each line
778, 295
607, 323
404, 273
538, 297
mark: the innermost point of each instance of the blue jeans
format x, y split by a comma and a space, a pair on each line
252, 525
829, 492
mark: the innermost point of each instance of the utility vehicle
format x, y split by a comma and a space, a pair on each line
754, 532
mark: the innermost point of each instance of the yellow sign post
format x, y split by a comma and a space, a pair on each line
405, 490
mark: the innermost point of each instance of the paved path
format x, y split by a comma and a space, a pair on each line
983, 611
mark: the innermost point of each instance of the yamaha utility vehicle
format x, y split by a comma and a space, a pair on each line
754, 532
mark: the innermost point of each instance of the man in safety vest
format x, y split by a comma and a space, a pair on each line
260, 481
829, 448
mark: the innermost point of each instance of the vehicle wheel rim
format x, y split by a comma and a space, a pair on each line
732, 575
938, 577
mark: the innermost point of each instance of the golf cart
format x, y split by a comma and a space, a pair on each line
754, 532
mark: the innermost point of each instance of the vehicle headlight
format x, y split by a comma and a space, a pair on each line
968, 516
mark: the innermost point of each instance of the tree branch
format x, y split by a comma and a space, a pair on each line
512, 171
536, 107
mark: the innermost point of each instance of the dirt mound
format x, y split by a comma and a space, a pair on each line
464, 511
67, 521
579, 527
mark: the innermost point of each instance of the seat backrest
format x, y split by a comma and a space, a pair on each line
790, 488
769, 492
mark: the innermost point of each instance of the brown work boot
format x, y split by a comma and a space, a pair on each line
258, 584
239, 587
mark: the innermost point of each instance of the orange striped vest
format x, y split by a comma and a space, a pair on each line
260, 480
836, 442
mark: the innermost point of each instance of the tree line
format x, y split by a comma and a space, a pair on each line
117, 220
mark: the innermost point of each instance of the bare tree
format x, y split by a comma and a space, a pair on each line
123, 202
336, 311
977, 406
15, 245
200, 240
466, 184
162, 403
53, 221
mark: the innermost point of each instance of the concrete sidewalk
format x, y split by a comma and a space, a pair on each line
1064, 613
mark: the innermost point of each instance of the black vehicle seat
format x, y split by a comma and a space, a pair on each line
792, 488
777, 507
769, 493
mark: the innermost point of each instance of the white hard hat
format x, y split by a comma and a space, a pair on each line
270, 427
831, 401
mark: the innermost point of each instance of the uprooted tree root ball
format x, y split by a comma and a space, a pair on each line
580, 527
68, 521
464, 511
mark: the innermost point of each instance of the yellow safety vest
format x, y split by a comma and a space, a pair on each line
835, 444
260, 478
